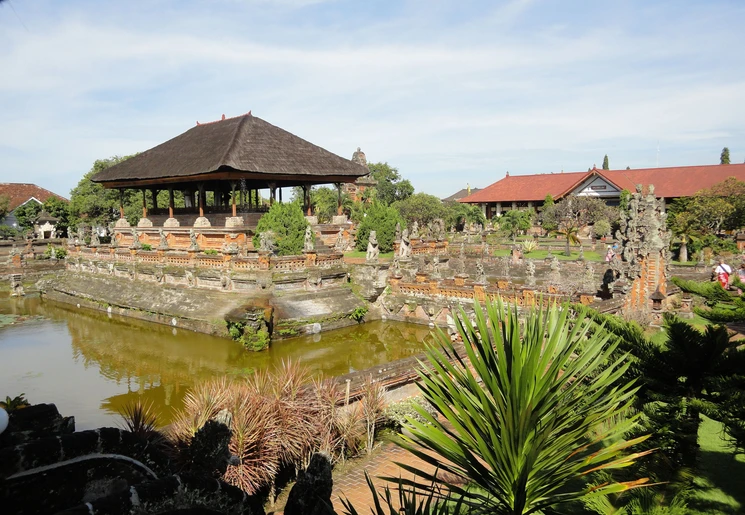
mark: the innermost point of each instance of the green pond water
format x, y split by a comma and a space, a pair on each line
91, 365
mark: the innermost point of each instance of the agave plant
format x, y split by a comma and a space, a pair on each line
528, 409
529, 246
140, 418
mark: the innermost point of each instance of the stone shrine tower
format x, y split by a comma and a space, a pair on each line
641, 272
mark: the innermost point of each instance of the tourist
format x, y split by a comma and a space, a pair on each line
722, 272
609, 255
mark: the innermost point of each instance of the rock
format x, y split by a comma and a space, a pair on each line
311, 494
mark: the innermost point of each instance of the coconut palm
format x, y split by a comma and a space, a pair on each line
570, 232
530, 407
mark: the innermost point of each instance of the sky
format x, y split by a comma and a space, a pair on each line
449, 92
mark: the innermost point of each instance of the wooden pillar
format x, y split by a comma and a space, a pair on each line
170, 202
144, 204
232, 196
272, 194
200, 194
338, 198
121, 202
280, 195
305, 197
309, 210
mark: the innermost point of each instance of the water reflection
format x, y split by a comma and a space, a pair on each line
91, 364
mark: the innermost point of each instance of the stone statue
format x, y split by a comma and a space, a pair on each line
372, 248
339, 244
70, 239
462, 254
587, 283
480, 273
163, 243
398, 231
436, 268
193, 245
135, 239
415, 230
554, 276
404, 250
581, 256
530, 273
485, 251
95, 241
81, 235
396, 268
266, 241
309, 244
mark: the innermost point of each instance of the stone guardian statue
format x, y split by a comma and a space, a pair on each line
373, 249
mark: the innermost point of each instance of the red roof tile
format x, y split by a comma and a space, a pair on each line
523, 188
20, 192
673, 182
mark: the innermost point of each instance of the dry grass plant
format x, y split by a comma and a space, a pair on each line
373, 406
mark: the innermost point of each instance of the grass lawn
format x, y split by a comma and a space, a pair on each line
720, 482
590, 255
362, 254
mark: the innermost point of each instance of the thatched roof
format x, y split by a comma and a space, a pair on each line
234, 148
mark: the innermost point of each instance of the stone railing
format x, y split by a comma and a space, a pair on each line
460, 288
197, 259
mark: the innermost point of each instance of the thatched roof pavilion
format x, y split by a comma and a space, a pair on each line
233, 157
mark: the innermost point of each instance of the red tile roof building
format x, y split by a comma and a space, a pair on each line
20, 192
520, 191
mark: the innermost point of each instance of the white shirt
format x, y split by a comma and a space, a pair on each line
723, 268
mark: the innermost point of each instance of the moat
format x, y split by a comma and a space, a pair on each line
91, 365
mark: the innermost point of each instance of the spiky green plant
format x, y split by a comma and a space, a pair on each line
140, 418
527, 410
408, 501
373, 406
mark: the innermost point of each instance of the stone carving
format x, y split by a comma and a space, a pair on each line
80, 240
163, 240
373, 249
404, 251
398, 231
16, 285
190, 280
554, 276
396, 268
266, 241
309, 244
587, 283
462, 253
645, 257
462, 267
485, 251
70, 239
436, 268
193, 245
530, 273
95, 241
311, 494
581, 256
480, 273
504, 266
415, 230
339, 244
135, 240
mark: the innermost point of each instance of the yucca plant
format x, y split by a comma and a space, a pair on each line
408, 501
527, 410
529, 246
140, 418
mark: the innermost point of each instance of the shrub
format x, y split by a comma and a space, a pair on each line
529, 246
601, 228
7, 232
210, 252
358, 314
398, 414
288, 224
382, 219
146, 246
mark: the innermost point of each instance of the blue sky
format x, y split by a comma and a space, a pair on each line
449, 92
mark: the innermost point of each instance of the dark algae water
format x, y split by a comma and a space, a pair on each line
91, 364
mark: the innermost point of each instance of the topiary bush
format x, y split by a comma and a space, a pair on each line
288, 224
382, 219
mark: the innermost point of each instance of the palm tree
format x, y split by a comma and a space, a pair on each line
531, 408
569, 231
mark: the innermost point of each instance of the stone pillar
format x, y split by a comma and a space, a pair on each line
514, 206
530, 204
338, 199
499, 208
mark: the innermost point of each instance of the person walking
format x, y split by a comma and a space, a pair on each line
722, 272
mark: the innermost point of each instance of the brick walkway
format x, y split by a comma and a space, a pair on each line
349, 482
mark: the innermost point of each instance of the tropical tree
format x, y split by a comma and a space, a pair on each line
458, 214
724, 156
531, 409
391, 186
27, 213
4, 205
58, 208
287, 222
605, 163
684, 228
325, 202
548, 220
93, 204
383, 220
420, 207
515, 221
570, 232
